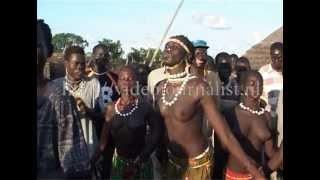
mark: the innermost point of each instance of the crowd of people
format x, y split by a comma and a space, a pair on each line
195, 118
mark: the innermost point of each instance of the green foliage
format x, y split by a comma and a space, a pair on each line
63, 40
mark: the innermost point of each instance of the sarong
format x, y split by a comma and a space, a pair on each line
199, 167
122, 169
231, 175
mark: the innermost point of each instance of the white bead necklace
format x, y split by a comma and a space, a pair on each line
176, 76
182, 87
74, 91
242, 106
130, 112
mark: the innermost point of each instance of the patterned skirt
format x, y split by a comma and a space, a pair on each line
122, 169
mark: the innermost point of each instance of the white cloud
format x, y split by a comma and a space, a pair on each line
210, 21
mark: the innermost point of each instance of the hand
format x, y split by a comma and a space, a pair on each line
260, 175
81, 105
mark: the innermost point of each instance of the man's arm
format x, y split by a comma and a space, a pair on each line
224, 133
104, 133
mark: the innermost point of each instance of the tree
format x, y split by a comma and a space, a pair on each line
114, 48
142, 55
61, 41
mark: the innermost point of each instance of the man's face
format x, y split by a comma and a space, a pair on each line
173, 54
276, 59
75, 66
200, 55
224, 70
100, 59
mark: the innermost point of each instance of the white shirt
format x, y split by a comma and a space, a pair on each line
154, 78
272, 80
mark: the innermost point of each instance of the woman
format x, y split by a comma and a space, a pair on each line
251, 126
127, 121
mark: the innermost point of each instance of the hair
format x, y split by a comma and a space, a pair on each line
276, 45
131, 68
44, 38
243, 60
102, 46
220, 56
73, 50
245, 75
234, 55
186, 42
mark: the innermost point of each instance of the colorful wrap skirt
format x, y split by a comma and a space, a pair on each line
123, 169
231, 175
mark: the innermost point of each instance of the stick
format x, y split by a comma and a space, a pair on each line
165, 34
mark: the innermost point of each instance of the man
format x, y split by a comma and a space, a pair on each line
84, 91
182, 100
273, 83
272, 75
107, 79
100, 69
61, 147
229, 92
233, 59
198, 68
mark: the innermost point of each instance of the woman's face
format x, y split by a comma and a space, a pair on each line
126, 81
253, 87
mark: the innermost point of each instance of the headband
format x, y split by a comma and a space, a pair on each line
180, 43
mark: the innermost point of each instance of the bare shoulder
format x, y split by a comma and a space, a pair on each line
199, 86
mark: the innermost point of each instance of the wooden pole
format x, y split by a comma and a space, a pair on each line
165, 34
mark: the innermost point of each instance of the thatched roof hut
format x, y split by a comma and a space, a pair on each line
259, 54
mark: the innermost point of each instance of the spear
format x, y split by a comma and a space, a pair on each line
165, 34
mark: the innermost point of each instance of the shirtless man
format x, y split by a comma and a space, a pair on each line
189, 152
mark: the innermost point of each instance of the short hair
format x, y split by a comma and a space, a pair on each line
243, 60
234, 55
44, 37
276, 45
73, 50
221, 55
245, 75
131, 68
102, 46
185, 41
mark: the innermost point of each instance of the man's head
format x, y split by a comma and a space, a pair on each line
224, 66
177, 49
251, 84
233, 59
241, 65
44, 45
200, 53
100, 58
127, 79
276, 52
75, 62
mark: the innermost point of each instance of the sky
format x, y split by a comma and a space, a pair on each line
232, 26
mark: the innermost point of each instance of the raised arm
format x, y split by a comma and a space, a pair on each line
223, 131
